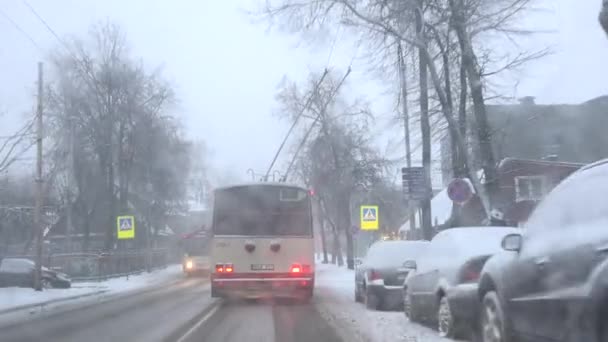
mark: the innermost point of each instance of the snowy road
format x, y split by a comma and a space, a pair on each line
183, 311
148, 316
263, 322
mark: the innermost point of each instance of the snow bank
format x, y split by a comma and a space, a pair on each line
13, 297
335, 288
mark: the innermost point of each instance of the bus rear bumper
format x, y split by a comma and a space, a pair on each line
262, 287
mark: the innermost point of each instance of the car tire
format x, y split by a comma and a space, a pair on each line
408, 308
447, 325
492, 320
372, 301
358, 298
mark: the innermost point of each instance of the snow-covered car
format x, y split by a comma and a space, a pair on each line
442, 287
20, 273
551, 281
379, 276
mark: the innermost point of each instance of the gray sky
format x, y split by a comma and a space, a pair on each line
226, 69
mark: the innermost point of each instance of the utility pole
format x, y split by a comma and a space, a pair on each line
406, 126
38, 209
70, 187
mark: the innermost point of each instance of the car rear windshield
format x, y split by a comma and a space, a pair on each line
394, 253
262, 211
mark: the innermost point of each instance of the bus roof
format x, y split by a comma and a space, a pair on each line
269, 184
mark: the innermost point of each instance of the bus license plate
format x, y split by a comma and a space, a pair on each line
262, 267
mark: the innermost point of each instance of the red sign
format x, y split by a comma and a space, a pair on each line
460, 190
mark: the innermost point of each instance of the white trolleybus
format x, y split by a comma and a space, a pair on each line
262, 243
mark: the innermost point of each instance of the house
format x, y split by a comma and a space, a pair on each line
523, 183
574, 133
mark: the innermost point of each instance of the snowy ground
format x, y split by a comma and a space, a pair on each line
14, 297
335, 301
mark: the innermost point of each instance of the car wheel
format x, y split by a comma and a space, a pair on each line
408, 310
446, 325
46, 283
372, 301
492, 319
358, 298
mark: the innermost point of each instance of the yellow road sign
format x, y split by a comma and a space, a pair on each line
369, 217
125, 227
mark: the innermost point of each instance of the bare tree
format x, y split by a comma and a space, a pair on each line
337, 158
128, 154
13, 146
378, 19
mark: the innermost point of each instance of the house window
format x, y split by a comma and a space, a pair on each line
529, 188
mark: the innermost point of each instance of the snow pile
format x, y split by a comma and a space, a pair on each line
13, 297
335, 292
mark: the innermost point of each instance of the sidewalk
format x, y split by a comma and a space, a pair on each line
14, 298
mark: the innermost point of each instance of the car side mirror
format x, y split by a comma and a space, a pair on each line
410, 264
512, 242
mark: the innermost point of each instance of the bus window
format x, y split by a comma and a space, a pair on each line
262, 211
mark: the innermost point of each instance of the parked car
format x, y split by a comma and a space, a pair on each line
380, 275
20, 273
551, 282
441, 288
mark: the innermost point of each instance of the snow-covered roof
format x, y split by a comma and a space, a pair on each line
441, 210
167, 231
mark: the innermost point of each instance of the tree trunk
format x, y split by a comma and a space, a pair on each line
462, 122
337, 247
470, 64
406, 126
324, 242
346, 226
321, 222
425, 129
111, 223
122, 171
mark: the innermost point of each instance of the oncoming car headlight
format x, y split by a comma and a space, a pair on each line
189, 264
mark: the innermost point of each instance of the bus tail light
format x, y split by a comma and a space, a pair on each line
295, 268
228, 268
219, 268
374, 275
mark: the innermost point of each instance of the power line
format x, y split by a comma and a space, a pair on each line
21, 30
48, 27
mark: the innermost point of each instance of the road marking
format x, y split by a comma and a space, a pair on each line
199, 323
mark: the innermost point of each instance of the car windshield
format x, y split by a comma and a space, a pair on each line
177, 170
20, 265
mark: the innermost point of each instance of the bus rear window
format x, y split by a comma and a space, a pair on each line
262, 211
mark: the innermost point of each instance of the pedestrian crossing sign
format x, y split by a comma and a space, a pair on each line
125, 227
369, 217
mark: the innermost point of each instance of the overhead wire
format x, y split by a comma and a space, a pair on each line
316, 120
20, 29
44, 22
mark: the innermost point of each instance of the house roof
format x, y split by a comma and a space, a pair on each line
574, 132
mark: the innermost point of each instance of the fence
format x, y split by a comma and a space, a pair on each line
103, 265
